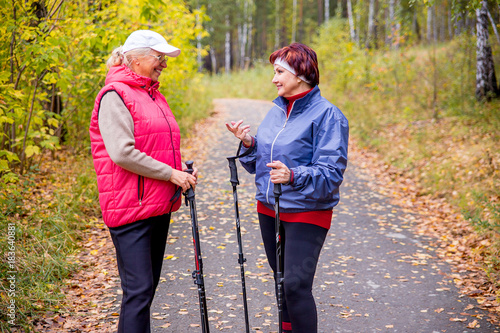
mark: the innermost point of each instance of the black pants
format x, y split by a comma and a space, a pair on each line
301, 245
140, 247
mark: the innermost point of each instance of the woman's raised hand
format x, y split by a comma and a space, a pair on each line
241, 132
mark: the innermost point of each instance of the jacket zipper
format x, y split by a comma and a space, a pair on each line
173, 150
140, 189
272, 145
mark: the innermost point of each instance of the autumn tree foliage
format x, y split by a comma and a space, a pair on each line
52, 60
52, 64
244, 32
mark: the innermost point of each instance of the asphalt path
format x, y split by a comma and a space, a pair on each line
374, 275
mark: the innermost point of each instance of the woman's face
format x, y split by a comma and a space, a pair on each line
287, 83
151, 65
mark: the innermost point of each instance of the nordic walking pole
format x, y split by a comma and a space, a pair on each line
241, 259
198, 273
279, 256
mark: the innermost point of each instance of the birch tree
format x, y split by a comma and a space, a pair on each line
486, 82
391, 37
243, 34
227, 46
213, 58
352, 30
371, 24
250, 32
494, 26
327, 10
429, 24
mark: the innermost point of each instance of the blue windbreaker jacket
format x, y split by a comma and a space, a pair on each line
312, 142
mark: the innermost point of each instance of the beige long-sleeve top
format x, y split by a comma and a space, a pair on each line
117, 129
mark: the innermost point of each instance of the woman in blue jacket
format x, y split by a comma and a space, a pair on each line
301, 144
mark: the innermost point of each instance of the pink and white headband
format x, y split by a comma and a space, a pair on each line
282, 63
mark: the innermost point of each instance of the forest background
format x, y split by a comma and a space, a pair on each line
415, 78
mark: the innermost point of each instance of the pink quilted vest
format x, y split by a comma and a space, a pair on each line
126, 197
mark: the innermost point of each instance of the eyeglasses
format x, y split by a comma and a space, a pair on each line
161, 58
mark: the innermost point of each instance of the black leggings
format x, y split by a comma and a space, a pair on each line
140, 247
301, 246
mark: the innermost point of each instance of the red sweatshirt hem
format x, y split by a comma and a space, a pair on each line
321, 218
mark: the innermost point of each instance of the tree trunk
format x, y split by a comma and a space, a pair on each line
213, 59
294, 21
357, 23
227, 47
320, 12
239, 60
277, 25
264, 30
261, 46
198, 39
397, 24
284, 31
486, 82
371, 25
429, 24
435, 24
442, 25
250, 37
12, 135
352, 31
23, 156
416, 26
392, 39
327, 10
301, 20
450, 24
494, 26
243, 35
459, 22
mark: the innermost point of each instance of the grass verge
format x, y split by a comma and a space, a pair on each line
46, 212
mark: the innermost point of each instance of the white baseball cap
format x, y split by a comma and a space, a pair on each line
151, 39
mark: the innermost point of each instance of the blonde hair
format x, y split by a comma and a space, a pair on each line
119, 58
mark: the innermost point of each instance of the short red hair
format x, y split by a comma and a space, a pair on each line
301, 58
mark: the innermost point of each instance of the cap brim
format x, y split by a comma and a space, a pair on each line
167, 49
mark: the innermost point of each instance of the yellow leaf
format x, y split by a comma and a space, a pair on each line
32, 150
473, 324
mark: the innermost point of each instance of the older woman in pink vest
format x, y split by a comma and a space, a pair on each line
135, 143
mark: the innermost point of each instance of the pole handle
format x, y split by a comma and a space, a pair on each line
189, 165
277, 190
190, 192
234, 171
